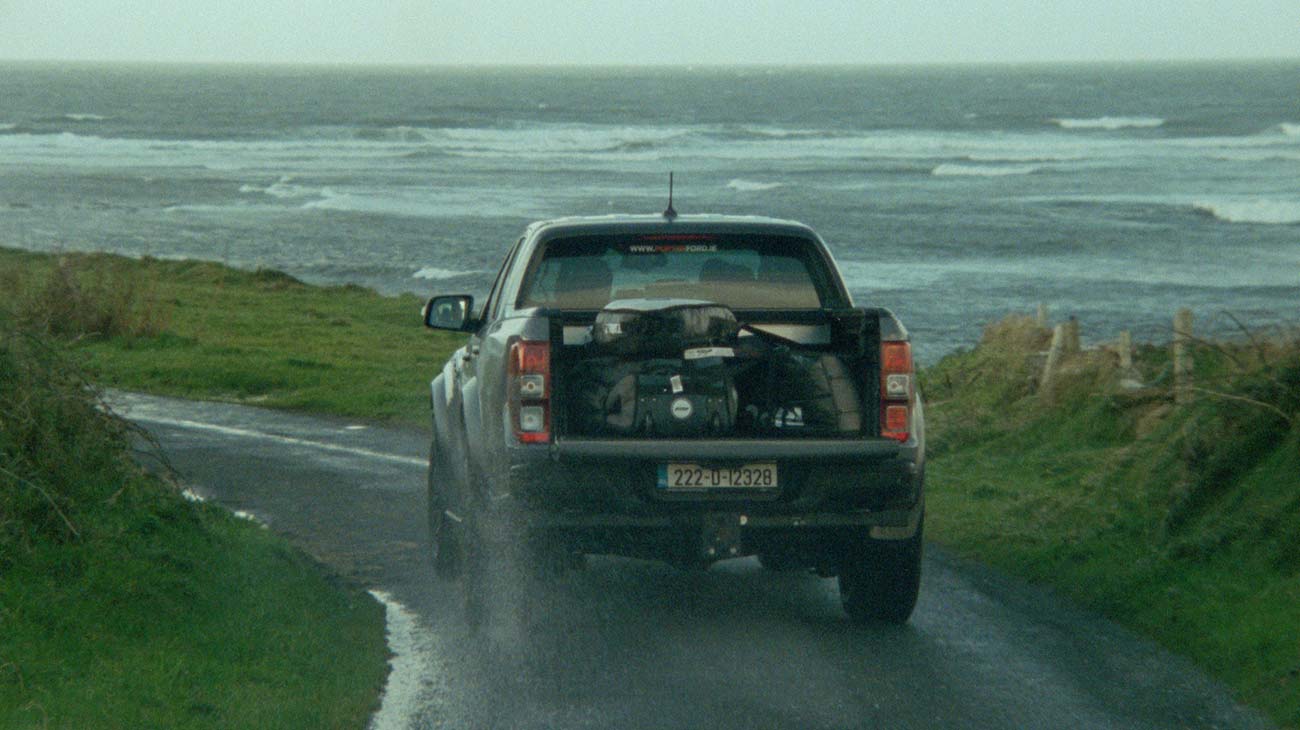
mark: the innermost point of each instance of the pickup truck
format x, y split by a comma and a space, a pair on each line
683, 388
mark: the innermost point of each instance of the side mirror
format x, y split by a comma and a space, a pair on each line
449, 313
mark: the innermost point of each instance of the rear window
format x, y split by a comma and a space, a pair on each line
741, 272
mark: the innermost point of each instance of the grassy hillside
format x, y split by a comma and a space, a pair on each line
202, 330
1180, 520
124, 605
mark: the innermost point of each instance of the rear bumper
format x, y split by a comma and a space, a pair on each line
602, 496
897, 518
850, 450
613, 483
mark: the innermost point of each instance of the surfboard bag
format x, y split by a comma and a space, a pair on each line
662, 327
661, 397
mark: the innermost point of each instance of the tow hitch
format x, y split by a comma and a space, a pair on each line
721, 535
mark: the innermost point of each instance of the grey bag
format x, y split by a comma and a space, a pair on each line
662, 327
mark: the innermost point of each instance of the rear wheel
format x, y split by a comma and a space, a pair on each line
474, 578
446, 548
880, 579
501, 574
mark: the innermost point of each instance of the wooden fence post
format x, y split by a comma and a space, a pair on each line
1072, 335
1182, 356
1054, 354
1125, 352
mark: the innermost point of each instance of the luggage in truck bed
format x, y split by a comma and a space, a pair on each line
671, 368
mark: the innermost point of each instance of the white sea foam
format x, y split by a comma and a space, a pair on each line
401, 133
1274, 212
1111, 123
7, 127
1219, 270
1290, 129
85, 117
953, 170
1041, 155
434, 273
222, 210
1259, 154
552, 140
427, 203
750, 186
624, 146
284, 189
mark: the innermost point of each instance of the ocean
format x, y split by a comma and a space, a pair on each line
952, 195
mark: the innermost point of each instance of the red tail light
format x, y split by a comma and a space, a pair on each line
896, 389
529, 372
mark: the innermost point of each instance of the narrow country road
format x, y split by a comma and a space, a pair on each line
631, 644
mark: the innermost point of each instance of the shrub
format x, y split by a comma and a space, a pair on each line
63, 456
91, 295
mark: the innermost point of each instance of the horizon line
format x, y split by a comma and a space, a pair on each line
679, 65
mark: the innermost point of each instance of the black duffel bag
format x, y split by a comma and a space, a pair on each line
662, 327
673, 397
663, 397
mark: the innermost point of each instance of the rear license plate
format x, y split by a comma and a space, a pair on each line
678, 475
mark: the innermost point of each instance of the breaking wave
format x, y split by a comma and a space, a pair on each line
1027, 156
426, 203
1273, 212
400, 134
1110, 123
1257, 155
284, 189
636, 145
435, 273
954, 170
749, 133
751, 186
1289, 129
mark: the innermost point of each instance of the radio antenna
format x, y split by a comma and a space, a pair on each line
670, 213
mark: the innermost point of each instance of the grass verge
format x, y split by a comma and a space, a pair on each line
202, 330
122, 604
1182, 521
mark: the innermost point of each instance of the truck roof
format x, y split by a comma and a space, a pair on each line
692, 223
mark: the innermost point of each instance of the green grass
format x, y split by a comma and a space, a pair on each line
203, 330
124, 605
186, 617
1180, 521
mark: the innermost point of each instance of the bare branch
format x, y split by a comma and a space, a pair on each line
1249, 334
72, 528
1243, 399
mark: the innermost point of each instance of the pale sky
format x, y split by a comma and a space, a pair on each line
647, 32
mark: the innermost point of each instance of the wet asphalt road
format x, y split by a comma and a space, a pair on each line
633, 644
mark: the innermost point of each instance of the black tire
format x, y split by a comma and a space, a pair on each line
444, 541
473, 579
880, 579
501, 576
473, 549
